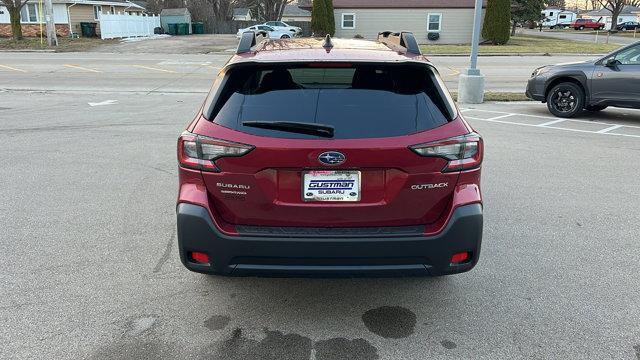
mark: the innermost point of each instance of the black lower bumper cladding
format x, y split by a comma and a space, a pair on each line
275, 253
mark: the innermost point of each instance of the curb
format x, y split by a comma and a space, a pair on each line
514, 54
28, 50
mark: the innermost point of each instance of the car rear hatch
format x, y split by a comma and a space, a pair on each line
330, 146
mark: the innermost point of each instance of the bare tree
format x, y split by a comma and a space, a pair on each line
14, 7
616, 7
266, 10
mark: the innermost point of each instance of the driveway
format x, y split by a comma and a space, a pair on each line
578, 36
191, 44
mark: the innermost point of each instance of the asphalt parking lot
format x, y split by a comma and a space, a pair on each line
193, 73
90, 267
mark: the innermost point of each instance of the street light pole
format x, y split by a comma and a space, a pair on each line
52, 39
471, 82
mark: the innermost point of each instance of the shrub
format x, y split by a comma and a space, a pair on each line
497, 22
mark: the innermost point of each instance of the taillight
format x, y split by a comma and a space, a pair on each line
200, 152
463, 152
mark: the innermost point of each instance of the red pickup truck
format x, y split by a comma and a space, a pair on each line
580, 24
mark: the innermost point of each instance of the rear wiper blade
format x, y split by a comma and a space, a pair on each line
294, 127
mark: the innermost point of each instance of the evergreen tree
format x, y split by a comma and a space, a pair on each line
319, 19
497, 21
331, 17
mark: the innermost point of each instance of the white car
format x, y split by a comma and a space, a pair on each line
273, 33
281, 25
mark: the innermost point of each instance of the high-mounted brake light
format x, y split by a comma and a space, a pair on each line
200, 152
463, 152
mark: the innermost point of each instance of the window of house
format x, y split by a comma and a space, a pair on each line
97, 10
112, 10
348, 21
29, 13
563, 16
551, 13
434, 22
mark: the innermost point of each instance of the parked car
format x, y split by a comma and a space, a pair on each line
273, 33
329, 157
612, 80
581, 24
281, 25
629, 25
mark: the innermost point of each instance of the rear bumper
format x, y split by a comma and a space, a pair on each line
286, 255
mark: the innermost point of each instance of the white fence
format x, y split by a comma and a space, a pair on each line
125, 25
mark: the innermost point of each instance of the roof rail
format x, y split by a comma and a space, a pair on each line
402, 39
250, 39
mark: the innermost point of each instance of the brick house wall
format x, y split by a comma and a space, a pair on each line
33, 30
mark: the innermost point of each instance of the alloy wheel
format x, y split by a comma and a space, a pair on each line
564, 100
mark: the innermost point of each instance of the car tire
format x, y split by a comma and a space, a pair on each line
581, 28
565, 100
285, 37
595, 107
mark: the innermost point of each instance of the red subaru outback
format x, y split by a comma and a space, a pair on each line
331, 157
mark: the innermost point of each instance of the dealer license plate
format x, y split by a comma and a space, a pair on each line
328, 185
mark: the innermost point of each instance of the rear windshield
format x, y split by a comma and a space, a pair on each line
358, 101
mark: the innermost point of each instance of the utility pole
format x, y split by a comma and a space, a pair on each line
52, 39
471, 81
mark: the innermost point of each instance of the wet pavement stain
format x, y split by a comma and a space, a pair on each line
448, 344
393, 322
138, 326
344, 349
217, 322
275, 346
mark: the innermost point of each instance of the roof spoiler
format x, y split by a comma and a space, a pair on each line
250, 39
403, 39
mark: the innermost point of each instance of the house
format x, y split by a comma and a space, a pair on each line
175, 16
242, 14
293, 13
445, 21
628, 13
67, 15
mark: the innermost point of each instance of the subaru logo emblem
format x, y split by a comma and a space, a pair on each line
332, 158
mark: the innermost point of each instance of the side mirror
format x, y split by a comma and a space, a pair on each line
611, 63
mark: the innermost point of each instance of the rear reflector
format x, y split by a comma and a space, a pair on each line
200, 257
461, 257
462, 152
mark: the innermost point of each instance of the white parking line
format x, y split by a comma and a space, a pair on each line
552, 122
500, 117
554, 127
609, 129
550, 117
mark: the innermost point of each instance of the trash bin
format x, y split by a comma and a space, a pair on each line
173, 29
198, 27
183, 29
88, 29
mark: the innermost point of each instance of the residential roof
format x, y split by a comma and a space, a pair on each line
627, 10
175, 12
240, 12
294, 10
310, 49
399, 4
